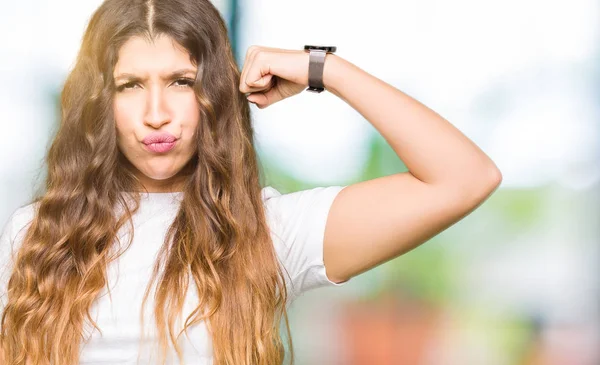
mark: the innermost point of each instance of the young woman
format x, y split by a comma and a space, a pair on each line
154, 228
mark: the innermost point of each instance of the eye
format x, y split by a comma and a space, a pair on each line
185, 82
126, 86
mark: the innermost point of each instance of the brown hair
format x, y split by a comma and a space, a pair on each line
219, 237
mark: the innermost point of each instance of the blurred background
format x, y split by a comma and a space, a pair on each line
515, 282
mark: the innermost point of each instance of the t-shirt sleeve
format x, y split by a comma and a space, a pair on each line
297, 221
11, 237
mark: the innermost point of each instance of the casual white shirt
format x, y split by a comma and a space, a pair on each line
297, 223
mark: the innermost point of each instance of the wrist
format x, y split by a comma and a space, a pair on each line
331, 72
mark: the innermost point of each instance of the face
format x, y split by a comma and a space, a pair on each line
156, 110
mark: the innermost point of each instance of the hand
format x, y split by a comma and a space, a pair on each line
273, 74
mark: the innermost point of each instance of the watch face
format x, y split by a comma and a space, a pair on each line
322, 48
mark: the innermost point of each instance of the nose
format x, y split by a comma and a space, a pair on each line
156, 109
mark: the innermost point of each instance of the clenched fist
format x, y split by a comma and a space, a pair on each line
272, 74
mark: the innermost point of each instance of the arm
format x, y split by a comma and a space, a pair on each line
374, 221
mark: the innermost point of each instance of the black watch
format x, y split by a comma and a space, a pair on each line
315, 66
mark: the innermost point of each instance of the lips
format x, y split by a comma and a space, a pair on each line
159, 137
159, 142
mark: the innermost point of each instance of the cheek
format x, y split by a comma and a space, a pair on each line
125, 117
190, 114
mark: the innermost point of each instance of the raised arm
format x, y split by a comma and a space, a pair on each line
375, 221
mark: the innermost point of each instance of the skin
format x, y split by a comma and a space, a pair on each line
149, 99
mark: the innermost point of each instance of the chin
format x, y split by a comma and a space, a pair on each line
160, 176
156, 172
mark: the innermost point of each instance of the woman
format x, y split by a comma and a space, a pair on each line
154, 211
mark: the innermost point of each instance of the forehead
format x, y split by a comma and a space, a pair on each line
140, 55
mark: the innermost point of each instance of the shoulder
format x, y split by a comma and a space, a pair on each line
297, 223
269, 192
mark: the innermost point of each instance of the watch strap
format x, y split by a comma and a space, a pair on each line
316, 66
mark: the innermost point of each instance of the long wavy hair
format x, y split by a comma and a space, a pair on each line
219, 237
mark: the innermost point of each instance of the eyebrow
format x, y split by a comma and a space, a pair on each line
172, 75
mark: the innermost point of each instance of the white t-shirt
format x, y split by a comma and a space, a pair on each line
297, 223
